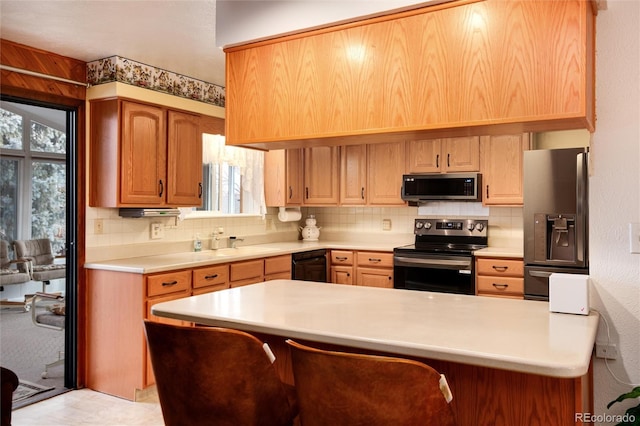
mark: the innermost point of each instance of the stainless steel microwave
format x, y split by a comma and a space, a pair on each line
445, 186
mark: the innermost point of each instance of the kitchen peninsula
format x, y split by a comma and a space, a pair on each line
505, 360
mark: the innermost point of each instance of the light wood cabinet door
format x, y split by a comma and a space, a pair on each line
447, 155
461, 154
385, 169
342, 275
375, 277
502, 168
294, 162
424, 156
283, 184
143, 155
321, 175
184, 162
353, 175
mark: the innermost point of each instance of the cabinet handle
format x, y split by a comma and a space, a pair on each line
362, 193
200, 190
437, 161
372, 259
341, 258
161, 188
169, 284
500, 268
348, 274
306, 192
487, 191
500, 286
210, 277
448, 156
290, 192
390, 277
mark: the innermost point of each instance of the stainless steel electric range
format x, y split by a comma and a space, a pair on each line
441, 259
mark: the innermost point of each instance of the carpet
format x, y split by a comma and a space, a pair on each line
27, 390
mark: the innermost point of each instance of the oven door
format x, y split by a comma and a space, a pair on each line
434, 272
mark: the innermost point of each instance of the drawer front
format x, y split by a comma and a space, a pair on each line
278, 276
341, 257
375, 258
277, 264
210, 288
213, 275
500, 267
500, 285
247, 270
171, 282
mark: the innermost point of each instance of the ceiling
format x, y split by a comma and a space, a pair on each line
176, 35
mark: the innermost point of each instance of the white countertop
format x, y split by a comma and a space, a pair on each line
515, 252
168, 262
516, 335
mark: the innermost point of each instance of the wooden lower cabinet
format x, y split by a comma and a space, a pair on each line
277, 268
374, 269
341, 267
500, 277
246, 272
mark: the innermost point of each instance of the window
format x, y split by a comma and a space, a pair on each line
33, 173
233, 179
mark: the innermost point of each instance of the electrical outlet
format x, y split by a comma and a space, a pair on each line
98, 226
157, 231
634, 237
606, 351
386, 224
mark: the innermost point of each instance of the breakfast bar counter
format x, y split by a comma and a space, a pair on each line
506, 360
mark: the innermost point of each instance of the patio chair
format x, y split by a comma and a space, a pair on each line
42, 267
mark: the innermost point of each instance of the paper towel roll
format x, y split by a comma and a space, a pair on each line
292, 214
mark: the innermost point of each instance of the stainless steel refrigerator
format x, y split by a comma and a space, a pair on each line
555, 214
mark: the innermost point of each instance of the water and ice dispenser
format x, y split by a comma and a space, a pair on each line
555, 238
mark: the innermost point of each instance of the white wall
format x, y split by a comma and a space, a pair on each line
615, 197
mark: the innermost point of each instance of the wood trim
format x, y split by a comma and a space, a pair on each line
68, 95
32, 87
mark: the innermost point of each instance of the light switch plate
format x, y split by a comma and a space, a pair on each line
634, 237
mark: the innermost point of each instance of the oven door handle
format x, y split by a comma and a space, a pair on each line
412, 262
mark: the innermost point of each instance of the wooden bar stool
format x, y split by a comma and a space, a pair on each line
337, 388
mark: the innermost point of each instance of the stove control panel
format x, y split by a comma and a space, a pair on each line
456, 227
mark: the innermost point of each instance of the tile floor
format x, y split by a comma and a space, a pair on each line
87, 407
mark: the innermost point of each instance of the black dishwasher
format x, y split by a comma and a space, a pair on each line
309, 266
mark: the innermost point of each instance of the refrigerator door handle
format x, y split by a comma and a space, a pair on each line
581, 192
540, 274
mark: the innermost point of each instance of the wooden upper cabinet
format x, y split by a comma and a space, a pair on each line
143, 155
502, 168
450, 66
283, 177
321, 175
143, 151
353, 175
184, 170
444, 155
386, 166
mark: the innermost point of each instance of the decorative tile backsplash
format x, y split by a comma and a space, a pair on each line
123, 70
